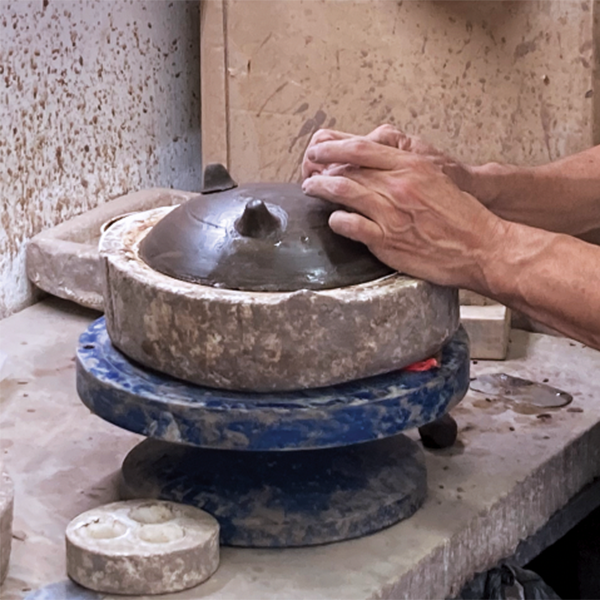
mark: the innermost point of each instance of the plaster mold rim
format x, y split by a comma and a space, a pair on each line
240, 340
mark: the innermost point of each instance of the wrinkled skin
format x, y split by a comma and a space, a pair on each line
403, 202
388, 135
501, 230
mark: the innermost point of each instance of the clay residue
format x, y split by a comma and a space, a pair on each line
524, 48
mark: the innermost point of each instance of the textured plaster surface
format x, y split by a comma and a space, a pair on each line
64, 260
508, 81
97, 98
508, 473
6, 518
265, 341
142, 547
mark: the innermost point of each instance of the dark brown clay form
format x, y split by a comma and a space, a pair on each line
264, 237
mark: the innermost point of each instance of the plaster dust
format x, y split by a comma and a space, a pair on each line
508, 81
97, 98
500, 483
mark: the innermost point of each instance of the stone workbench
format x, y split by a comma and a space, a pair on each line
503, 480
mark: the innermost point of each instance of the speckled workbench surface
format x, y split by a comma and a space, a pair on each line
508, 473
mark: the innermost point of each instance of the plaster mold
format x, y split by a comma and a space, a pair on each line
97, 98
142, 547
64, 260
259, 341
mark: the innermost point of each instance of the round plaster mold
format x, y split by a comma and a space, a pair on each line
142, 547
265, 341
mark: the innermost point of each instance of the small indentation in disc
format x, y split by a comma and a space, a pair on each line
103, 529
161, 534
152, 513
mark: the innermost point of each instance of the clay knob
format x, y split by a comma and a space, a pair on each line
217, 179
257, 221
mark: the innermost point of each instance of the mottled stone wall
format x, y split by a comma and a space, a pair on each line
510, 81
97, 98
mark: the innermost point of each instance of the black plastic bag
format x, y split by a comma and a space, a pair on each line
509, 582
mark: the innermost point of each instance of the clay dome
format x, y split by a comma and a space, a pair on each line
268, 237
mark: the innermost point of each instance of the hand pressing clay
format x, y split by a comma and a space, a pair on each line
142, 547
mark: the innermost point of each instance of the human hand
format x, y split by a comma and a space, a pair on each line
310, 168
407, 210
384, 134
388, 135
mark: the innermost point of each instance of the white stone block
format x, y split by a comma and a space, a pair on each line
488, 328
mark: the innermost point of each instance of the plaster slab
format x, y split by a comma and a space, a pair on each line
64, 260
506, 476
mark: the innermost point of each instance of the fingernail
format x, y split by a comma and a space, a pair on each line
311, 154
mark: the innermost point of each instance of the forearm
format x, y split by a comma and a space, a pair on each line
563, 196
550, 277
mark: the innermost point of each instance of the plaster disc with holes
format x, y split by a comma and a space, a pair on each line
142, 547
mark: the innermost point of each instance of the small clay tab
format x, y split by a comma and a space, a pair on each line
257, 221
217, 179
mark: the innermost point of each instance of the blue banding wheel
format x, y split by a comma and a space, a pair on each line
158, 406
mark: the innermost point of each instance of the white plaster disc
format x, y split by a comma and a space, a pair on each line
142, 547
6, 518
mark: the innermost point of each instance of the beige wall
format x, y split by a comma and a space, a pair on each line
509, 81
97, 98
